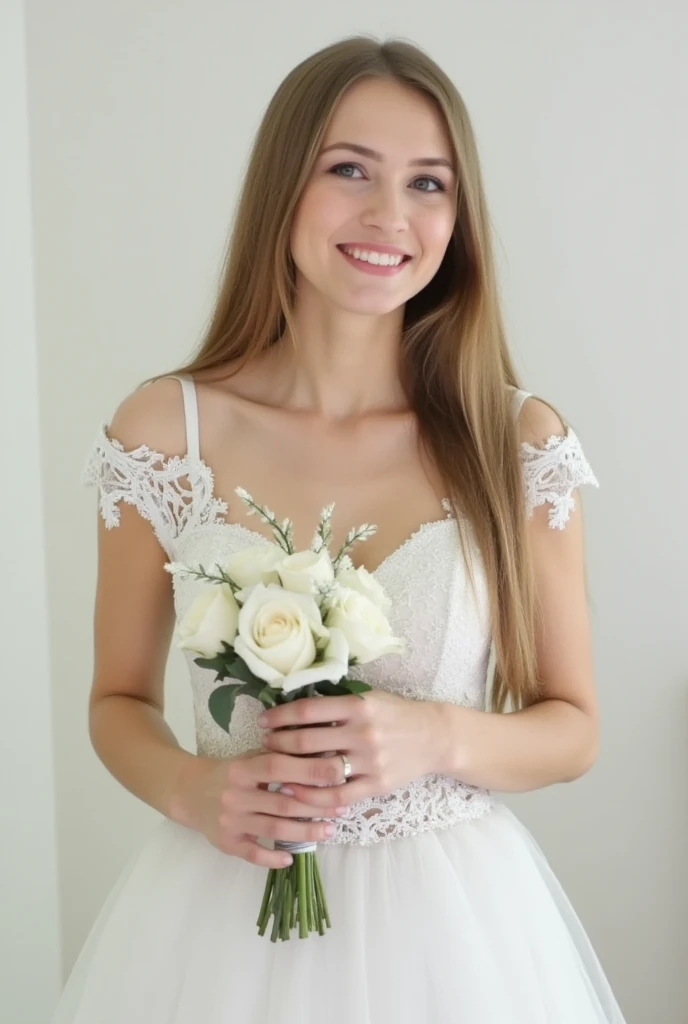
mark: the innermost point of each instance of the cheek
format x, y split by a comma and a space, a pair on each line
437, 230
321, 213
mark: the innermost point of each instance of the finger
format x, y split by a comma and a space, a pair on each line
310, 711
309, 741
307, 771
248, 849
280, 806
287, 829
343, 795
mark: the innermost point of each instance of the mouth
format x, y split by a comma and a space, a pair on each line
384, 260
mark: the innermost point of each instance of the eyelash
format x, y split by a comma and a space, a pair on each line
423, 177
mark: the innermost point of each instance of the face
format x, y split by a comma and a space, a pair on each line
378, 212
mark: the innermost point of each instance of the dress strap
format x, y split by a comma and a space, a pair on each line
190, 414
518, 397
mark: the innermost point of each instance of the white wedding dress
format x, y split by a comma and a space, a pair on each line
444, 910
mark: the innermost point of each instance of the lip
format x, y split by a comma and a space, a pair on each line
392, 250
373, 268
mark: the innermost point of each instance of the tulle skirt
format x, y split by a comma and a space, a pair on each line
466, 925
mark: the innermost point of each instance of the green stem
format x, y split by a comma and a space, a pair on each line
286, 910
264, 915
303, 903
295, 889
321, 893
311, 895
277, 906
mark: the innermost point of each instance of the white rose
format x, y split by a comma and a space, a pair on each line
280, 635
256, 564
301, 571
365, 627
365, 583
212, 618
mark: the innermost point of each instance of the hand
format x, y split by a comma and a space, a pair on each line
228, 802
388, 739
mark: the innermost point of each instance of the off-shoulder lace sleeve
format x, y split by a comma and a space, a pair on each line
551, 473
153, 484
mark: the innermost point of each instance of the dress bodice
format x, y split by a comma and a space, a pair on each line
440, 611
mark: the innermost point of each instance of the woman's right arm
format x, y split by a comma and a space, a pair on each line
134, 620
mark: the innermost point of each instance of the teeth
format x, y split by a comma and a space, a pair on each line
380, 259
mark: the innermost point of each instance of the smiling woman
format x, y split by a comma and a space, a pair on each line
380, 207
356, 356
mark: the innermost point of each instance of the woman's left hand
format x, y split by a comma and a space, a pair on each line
389, 741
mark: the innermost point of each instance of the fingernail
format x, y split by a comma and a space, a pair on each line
286, 791
262, 720
342, 812
330, 830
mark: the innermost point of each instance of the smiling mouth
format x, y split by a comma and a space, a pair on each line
374, 257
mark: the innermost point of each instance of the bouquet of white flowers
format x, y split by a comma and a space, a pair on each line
280, 625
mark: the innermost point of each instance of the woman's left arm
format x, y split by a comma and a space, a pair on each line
556, 739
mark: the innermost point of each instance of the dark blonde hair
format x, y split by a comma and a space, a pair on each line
455, 361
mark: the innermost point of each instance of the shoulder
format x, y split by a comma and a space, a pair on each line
538, 422
552, 459
152, 416
136, 456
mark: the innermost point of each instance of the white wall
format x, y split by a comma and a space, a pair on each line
30, 975
141, 117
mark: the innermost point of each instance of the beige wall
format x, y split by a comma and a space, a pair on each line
141, 116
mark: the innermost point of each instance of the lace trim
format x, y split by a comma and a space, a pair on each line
430, 803
551, 473
151, 483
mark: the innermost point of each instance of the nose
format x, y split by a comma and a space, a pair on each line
386, 209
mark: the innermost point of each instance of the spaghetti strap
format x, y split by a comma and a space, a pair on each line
190, 415
518, 397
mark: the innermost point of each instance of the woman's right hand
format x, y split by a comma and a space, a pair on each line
229, 803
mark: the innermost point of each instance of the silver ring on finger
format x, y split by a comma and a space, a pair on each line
347, 767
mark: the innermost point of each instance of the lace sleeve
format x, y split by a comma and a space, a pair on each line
551, 473
141, 478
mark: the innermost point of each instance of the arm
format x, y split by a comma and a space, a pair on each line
133, 623
556, 739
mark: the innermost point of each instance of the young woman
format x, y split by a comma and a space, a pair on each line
356, 355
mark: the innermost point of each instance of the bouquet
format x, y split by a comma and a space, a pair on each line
280, 625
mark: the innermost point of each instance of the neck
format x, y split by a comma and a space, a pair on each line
338, 364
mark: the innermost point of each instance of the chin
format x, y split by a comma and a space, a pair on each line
369, 305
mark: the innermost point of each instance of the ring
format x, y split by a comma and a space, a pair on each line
347, 766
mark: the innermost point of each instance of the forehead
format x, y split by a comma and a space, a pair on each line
391, 117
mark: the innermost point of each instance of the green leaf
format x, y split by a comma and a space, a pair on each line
355, 685
267, 696
221, 705
328, 689
238, 669
254, 689
218, 664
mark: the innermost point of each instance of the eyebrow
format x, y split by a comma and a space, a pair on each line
429, 161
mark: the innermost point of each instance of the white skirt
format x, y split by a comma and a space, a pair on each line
462, 926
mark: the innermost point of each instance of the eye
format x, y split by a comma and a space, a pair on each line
435, 184
345, 170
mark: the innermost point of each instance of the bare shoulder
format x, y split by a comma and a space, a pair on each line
538, 421
151, 415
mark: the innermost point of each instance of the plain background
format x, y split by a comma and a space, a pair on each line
129, 126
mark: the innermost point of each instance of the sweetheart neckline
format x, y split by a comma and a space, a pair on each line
179, 463
423, 528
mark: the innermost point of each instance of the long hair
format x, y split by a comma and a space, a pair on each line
456, 367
